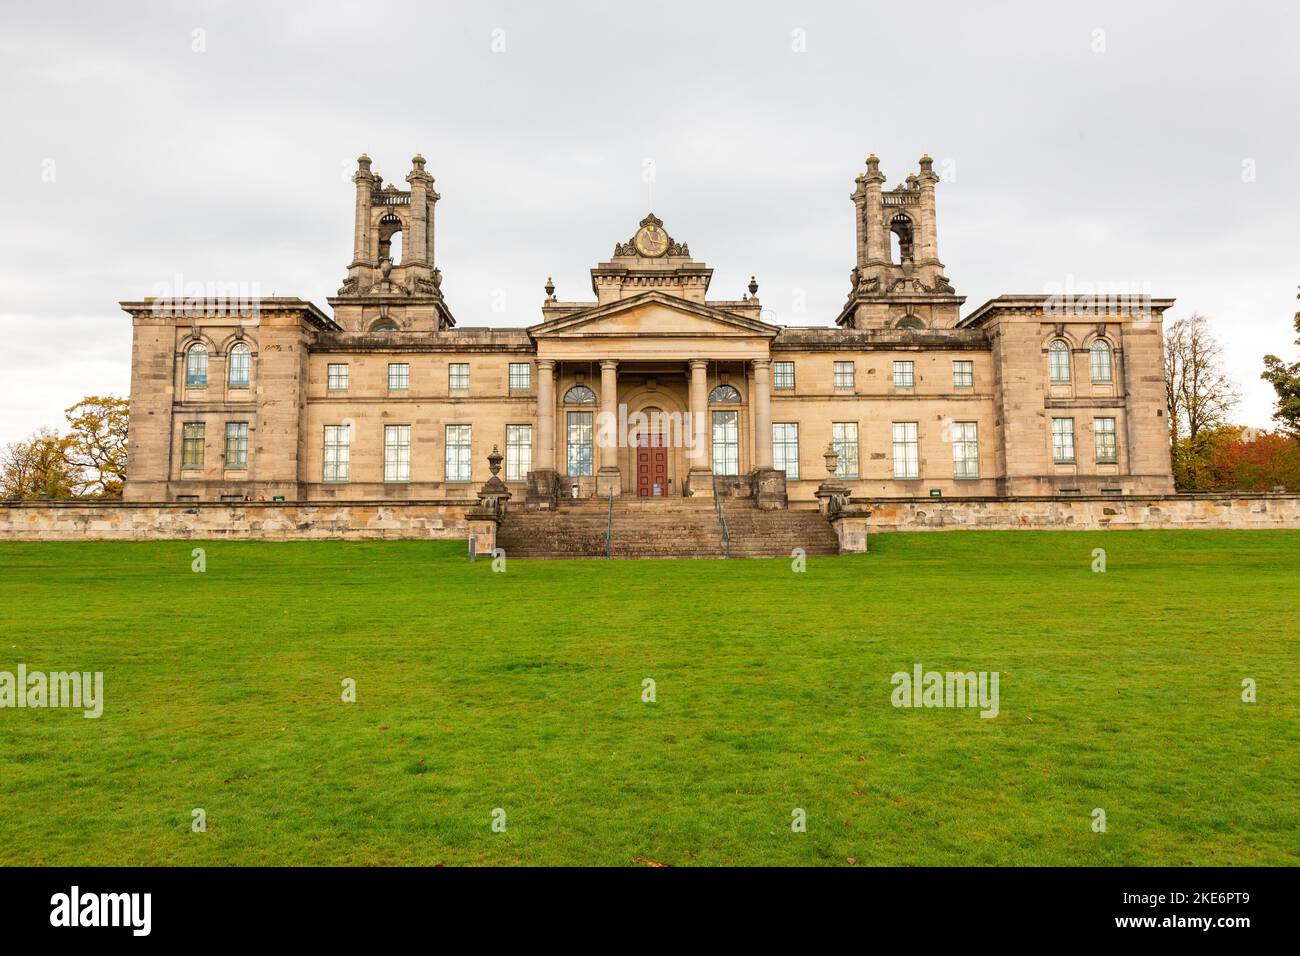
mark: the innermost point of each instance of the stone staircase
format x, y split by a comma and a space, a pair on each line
662, 528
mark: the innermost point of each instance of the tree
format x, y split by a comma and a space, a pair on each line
97, 444
37, 468
1285, 379
1198, 390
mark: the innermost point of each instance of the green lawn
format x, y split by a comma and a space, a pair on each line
522, 691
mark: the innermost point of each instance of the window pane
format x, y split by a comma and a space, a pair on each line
196, 366
785, 448
844, 374
337, 378
963, 374
1103, 430
520, 375
397, 453
726, 443
458, 457
399, 376
782, 375
519, 452
236, 444
192, 445
844, 439
907, 455
1101, 368
1058, 354
1063, 439
237, 376
904, 375
579, 444
338, 440
458, 376
965, 450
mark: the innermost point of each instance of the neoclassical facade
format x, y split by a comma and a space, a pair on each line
650, 387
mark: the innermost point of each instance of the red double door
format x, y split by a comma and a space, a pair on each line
651, 466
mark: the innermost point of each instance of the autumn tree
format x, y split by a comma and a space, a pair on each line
1285, 379
1198, 390
38, 468
96, 444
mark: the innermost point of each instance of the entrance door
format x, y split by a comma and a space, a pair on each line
651, 466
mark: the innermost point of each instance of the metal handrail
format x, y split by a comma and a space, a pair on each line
609, 530
722, 520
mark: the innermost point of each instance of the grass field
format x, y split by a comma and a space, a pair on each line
522, 691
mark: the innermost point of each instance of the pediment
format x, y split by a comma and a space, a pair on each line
652, 313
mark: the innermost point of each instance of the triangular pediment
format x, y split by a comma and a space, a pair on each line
652, 313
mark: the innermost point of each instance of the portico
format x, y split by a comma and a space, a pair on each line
652, 360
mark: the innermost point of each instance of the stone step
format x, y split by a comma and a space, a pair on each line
663, 528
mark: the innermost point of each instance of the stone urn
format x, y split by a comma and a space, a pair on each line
832, 458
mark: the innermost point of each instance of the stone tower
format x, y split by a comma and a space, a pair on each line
898, 280
385, 292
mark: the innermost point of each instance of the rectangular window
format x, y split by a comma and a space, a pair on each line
399, 376
458, 453
232, 498
521, 377
337, 377
782, 375
458, 376
1063, 440
907, 452
192, 445
397, 453
844, 439
785, 448
579, 444
338, 452
236, 444
965, 450
963, 373
904, 375
726, 443
844, 374
1103, 430
519, 451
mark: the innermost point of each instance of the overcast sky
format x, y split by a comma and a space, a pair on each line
1146, 146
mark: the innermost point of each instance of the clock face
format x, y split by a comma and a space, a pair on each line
651, 241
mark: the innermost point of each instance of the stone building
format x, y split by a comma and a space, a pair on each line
649, 388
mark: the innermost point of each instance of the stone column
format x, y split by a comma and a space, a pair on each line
608, 479
365, 182
761, 407
545, 458
699, 475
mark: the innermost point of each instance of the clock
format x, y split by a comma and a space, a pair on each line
651, 241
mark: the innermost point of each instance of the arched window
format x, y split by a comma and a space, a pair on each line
385, 325
196, 366
580, 395
724, 395
1101, 366
1058, 360
910, 322
238, 366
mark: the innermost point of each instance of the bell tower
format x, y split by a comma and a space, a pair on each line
898, 280
393, 283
